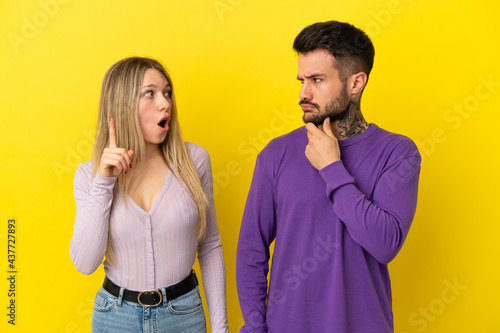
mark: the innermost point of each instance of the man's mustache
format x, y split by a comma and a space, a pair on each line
307, 101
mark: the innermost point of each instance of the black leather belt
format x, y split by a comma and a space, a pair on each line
153, 297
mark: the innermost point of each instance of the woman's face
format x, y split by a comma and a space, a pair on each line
155, 106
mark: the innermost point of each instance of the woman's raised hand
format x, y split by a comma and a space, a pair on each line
114, 160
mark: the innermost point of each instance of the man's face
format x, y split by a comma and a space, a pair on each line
323, 94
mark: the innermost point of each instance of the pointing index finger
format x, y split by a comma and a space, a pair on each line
112, 133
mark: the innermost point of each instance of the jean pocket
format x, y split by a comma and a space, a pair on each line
188, 303
104, 301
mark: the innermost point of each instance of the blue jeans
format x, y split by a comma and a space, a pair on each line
184, 314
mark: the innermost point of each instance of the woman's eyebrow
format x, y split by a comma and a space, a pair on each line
152, 85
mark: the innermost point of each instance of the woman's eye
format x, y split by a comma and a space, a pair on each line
168, 94
148, 93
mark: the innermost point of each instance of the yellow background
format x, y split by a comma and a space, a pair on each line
234, 71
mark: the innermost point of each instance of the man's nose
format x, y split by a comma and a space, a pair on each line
305, 92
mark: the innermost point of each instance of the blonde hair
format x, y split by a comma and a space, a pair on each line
120, 95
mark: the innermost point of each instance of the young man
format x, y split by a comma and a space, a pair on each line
337, 196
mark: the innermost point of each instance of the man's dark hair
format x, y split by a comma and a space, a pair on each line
351, 47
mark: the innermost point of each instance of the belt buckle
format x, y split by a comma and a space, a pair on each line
149, 292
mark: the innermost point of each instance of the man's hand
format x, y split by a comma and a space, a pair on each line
323, 148
114, 160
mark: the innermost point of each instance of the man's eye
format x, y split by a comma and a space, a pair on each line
317, 80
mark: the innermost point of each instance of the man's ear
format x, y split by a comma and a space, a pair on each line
356, 83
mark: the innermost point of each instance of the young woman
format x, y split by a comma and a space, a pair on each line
144, 204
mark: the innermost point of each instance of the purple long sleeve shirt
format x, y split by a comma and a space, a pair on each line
334, 232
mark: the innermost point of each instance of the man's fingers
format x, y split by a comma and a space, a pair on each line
327, 128
112, 133
312, 128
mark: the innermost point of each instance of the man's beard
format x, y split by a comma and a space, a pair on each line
336, 109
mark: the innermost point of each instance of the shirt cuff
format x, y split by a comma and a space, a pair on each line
104, 182
335, 175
